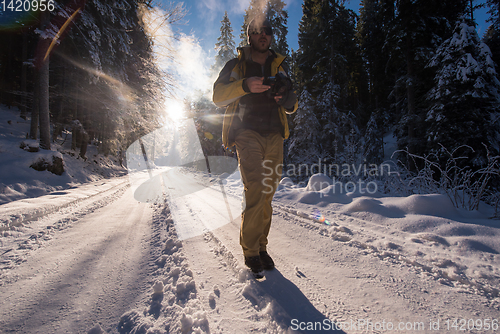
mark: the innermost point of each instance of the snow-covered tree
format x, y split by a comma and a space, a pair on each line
373, 149
372, 39
338, 128
328, 115
464, 104
279, 18
492, 36
117, 83
329, 53
417, 28
225, 45
305, 138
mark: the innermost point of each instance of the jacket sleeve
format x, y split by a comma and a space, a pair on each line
228, 87
293, 108
289, 102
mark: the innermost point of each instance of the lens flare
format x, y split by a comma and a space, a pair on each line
17, 20
60, 32
124, 92
318, 216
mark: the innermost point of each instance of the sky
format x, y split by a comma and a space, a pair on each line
202, 20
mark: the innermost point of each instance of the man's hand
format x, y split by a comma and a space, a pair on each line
255, 85
287, 101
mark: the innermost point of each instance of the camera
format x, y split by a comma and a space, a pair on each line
280, 84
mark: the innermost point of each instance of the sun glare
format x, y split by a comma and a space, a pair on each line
175, 110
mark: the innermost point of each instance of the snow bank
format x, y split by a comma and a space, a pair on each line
318, 182
429, 205
19, 180
427, 232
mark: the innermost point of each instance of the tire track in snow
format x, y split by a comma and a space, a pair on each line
16, 246
85, 276
12, 219
445, 271
264, 306
209, 242
277, 297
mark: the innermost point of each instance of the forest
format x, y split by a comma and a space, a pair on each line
415, 70
87, 67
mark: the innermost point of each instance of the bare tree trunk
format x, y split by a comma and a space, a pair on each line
35, 108
5, 94
24, 71
43, 82
410, 89
57, 117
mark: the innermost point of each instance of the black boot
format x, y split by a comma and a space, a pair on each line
254, 263
266, 261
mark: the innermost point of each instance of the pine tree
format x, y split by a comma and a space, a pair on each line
331, 136
121, 96
328, 48
372, 37
330, 65
102, 71
419, 26
304, 143
208, 118
279, 18
373, 149
464, 104
225, 45
308, 41
492, 37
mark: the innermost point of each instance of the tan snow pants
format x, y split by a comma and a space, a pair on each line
260, 160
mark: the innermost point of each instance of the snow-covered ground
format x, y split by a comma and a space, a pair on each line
101, 256
17, 181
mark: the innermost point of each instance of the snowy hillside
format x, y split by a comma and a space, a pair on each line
18, 181
161, 255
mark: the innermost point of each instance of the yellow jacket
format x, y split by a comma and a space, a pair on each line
228, 89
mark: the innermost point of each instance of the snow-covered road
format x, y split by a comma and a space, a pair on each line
88, 273
112, 264
324, 274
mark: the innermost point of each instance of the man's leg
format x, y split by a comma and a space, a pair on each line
250, 149
273, 157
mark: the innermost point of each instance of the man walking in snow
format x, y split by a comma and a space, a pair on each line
258, 94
